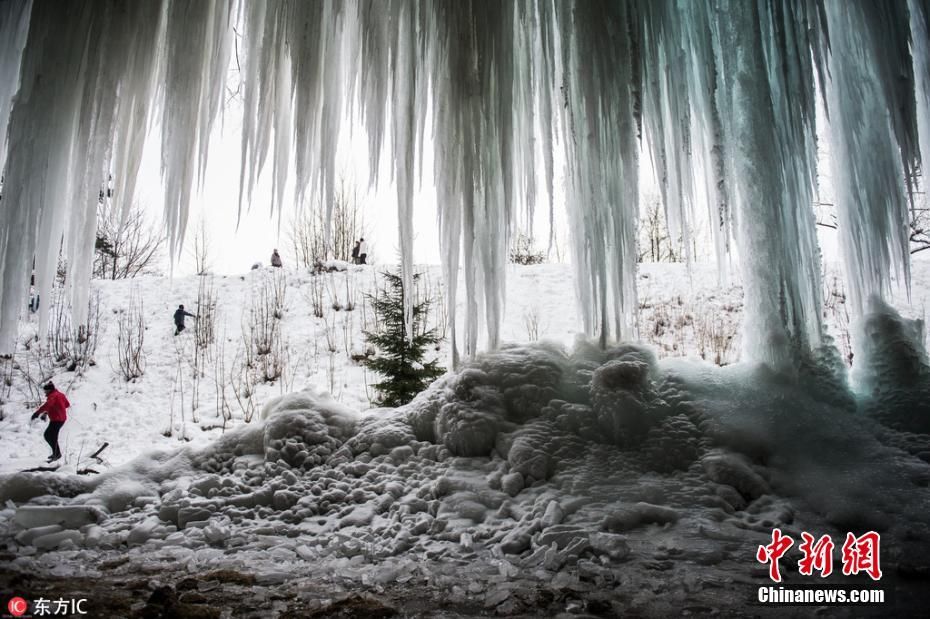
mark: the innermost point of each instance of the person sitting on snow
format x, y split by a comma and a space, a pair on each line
55, 409
276, 259
179, 315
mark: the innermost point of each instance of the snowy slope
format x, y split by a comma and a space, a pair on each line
610, 479
681, 315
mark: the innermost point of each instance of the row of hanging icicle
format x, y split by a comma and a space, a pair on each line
723, 92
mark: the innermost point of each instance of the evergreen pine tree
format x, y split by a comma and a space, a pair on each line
399, 359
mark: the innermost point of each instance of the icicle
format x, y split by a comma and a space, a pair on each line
766, 107
37, 190
504, 83
136, 101
14, 25
404, 73
867, 154
920, 50
198, 33
597, 52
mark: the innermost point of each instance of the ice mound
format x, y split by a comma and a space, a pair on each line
304, 429
892, 373
543, 462
624, 398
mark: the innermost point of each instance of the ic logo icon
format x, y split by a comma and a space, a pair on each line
17, 606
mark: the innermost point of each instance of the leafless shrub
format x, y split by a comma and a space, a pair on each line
59, 327
330, 334
67, 345
272, 366
265, 350
442, 309
84, 338
262, 328
315, 296
205, 325
523, 251
349, 305
6, 376
334, 293
243, 385
679, 327
347, 333
35, 368
531, 322
221, 380
715, 338
177, 391
130, 339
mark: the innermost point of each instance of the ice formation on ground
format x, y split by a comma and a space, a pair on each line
601, 471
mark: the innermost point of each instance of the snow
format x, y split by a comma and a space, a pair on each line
554, 465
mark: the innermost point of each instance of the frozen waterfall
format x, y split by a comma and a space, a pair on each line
724, 92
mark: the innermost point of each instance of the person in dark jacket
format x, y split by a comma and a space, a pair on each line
55, 408
355, 252
276, 259
179, 315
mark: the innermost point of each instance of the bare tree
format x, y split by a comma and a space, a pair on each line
127, 244
201, 250
309, 229
204, 336
655, 243
920, 229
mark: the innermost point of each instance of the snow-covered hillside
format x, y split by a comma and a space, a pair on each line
156, 408
543, 478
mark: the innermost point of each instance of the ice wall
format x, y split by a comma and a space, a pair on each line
723, 92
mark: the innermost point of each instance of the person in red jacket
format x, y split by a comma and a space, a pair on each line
55, 408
